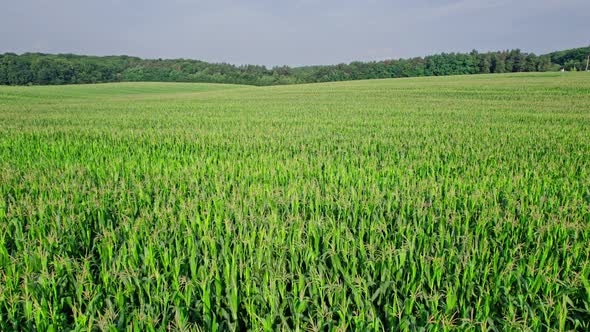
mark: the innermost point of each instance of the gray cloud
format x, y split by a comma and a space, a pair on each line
294, 32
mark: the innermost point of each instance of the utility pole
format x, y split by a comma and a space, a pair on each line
588, 62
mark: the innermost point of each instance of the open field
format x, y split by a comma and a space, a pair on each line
445, 202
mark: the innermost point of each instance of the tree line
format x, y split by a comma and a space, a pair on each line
50, 69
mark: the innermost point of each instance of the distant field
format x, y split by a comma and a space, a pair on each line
106, 90
447, 203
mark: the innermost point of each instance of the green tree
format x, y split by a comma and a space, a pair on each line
485, 63
532, 62
498, 63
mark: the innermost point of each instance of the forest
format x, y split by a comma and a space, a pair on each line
55, 69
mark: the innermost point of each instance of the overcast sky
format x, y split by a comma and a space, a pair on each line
292, 32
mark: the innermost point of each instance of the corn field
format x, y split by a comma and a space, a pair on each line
435, 204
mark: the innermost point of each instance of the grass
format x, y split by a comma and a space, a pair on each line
448, 203
106, 90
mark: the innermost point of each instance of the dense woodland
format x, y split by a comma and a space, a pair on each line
45, 69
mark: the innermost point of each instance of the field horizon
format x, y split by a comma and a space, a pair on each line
147, 88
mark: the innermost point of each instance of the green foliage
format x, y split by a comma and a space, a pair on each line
437, 204
574, 59
44, 69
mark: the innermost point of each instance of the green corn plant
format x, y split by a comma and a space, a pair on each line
448, 203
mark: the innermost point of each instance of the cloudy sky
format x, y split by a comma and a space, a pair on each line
292, 32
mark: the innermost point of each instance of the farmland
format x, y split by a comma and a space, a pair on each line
457, 202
